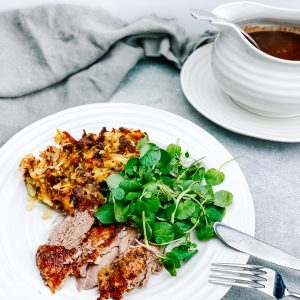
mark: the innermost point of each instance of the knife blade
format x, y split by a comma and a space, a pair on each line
245, 243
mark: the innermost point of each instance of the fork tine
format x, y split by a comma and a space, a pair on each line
241, 274
238, 270
245, 269
243, 266
228, 282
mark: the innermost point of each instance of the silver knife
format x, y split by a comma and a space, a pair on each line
248, 244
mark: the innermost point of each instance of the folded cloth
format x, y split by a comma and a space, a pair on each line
57, 56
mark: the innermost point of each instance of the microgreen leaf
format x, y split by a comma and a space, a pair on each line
221, 210
147, 194
132, 195
120, 211
186, 184
185, 209
169, 209
151, 187
164, 158
171, 263
146, 148
140, 206
169, 266
114, 180
167, 180
198, 174
148, 229
163, 232
150, 217
118, 193
105, 214
143, 141
131, 185
214, 176
152, 204
174, 150
166, 169
204, 233
181, 227
185, 251
196, 211
213, 215
151, 158
205, 190
174, 258
148, 176
131, 208
223, 198
132, 165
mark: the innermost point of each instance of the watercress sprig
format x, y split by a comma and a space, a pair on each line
168, 198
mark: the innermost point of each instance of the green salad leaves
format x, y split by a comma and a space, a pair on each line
168, 196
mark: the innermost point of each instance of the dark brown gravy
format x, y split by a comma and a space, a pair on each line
278, 42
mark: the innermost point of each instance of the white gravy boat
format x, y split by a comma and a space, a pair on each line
256, 81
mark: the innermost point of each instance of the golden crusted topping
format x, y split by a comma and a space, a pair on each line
115, 279
97, 239
55, 264
128, 272
68, 177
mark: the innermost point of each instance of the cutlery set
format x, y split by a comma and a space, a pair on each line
263, 279
252, 276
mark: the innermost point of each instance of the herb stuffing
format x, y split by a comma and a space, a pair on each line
168, 195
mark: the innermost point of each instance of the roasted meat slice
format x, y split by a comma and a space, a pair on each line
130, 271
59, 257
102, 246
76, 248
67, 177
98, 240
72, 230
56, 264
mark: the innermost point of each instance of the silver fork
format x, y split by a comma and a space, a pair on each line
251, 276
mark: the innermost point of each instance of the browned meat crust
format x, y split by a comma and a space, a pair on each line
56, 264
98, 254
130, 271
97, 239
68, 177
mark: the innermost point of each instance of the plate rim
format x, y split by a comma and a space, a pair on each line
185, 77
251, 212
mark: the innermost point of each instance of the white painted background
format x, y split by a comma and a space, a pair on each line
132, 9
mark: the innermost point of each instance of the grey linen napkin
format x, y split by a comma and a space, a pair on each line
58, 56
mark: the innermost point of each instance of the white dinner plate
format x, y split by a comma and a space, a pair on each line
22, 231
202, 91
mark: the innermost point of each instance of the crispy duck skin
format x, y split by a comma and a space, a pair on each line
68, 177
97, 254
55, 264
130, 271
97, 240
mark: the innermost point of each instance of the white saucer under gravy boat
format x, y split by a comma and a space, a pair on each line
203, 92
258, 82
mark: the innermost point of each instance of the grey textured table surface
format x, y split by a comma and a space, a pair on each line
272, 169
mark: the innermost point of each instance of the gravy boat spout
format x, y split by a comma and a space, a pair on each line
217, 20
